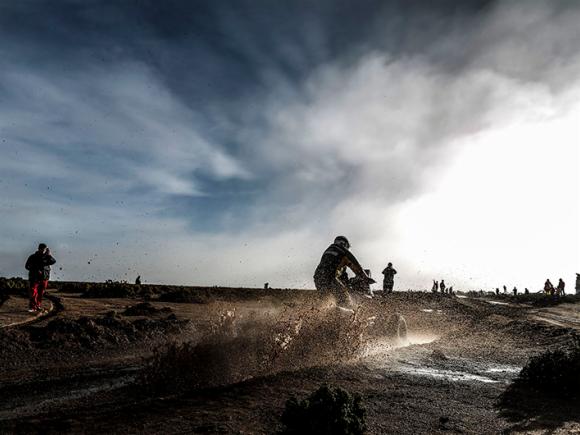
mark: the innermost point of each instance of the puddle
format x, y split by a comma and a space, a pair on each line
497, 303
381, 347
429, 310
503, 369
451, 375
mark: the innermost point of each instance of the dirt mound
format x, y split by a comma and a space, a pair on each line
110, 329
540, 333
11, 342
145, 309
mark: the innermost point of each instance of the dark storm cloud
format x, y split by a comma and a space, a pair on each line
220, 60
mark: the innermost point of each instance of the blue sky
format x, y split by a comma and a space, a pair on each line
228, 142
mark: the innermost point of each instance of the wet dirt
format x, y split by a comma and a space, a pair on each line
79, 371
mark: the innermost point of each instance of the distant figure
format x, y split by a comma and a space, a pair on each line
389, 279
497, 291
38, 266
451, 290
435, 287
560, 288
548, 287
515, 290
138, 280
266, 285
335, 259
578, 284
504, 290
526, 291
442, 286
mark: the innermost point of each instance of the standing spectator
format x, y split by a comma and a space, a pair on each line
548, 287
560, 288
515, 290
38, 266
442, 286
389, 279
138, 280
526, 291
504, 290
497, 291
435, 287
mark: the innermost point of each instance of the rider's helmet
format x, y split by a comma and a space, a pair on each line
342, 241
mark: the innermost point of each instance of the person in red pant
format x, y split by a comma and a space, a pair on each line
38, 266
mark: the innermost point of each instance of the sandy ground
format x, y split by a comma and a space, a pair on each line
446, 377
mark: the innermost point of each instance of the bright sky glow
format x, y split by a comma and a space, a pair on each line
504, 211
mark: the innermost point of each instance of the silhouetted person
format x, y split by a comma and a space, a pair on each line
497, 291
561, 286
515, 290
526, 291
435, 287
577, 287
38, 266
451, 290
504, 290
548, 287
442, 286
333, 263
389, 278
138, 280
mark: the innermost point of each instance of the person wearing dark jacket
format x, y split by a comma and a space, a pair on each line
549, 288
38, 266
561, 286
389, 279
334, 261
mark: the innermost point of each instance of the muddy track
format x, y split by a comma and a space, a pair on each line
456, 375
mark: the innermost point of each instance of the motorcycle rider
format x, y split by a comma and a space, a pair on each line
335, 259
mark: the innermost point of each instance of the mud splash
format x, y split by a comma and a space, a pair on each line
237, 346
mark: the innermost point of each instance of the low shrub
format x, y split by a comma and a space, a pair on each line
102, 331
14, 286
327, 411
114, 289
185, 295
71, 287
555, 373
